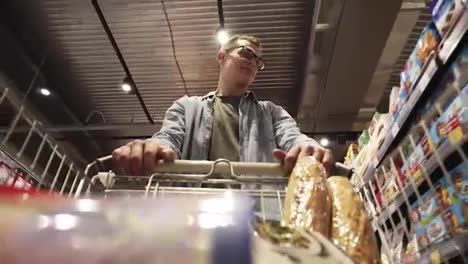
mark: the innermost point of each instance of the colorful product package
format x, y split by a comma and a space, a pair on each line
452, 123
428, 207
402, 96
422, 237
445, 13
437, 230
428, 41
457, 216
415, 163
410, 72
449, 192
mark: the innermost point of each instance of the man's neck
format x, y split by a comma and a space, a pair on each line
230, 89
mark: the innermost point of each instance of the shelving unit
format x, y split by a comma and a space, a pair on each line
47, 166
391, 190
434, 63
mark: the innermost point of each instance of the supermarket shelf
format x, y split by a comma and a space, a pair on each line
446, 250
444, 150
446, 49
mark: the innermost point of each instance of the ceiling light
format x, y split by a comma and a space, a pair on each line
222, 36
126, 87
45, 91
324, 142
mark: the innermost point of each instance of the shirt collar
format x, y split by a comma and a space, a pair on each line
249, 94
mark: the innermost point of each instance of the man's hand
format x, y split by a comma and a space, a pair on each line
288, 160
140, 157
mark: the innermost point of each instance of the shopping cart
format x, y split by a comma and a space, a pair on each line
264, 182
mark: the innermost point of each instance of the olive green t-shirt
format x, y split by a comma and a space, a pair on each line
225, 132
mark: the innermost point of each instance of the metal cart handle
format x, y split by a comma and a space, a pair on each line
219, 166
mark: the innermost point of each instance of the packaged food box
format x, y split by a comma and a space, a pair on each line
401, 100
414, 214
457, 188
428, 41
445, 13
456, 217
415, 163
428, 207
452, 123
410, 73
436, 230
422, 237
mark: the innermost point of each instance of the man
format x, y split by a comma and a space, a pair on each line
228, 123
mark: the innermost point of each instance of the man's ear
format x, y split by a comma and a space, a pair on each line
221, 56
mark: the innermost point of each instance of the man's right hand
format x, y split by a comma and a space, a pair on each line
140, 157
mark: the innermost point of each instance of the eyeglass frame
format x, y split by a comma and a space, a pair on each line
258, 59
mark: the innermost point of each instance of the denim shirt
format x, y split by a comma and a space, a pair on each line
263, 126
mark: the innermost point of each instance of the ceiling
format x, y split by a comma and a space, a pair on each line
321, 68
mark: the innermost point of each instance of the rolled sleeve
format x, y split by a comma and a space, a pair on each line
287, 133
172, 132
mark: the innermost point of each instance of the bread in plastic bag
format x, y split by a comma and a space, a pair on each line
350, 228
307, 204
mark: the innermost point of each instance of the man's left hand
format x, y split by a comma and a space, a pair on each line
288, 160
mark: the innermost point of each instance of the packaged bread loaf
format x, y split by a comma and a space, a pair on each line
307, 204
350, 228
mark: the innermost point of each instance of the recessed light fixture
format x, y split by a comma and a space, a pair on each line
222, 36
324, 142
44, 91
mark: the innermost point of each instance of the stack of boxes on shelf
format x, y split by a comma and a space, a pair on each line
438, 127
440, 213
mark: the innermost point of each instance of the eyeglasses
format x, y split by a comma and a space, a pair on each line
248, 53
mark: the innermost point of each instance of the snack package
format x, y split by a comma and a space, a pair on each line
350, 229
307, 204
422, 238
436, 230
176, 230
415, 162
457, 217
450, 191
452, 123
428, 41
414, 213
402, 95
445, 13
393, 98
428, 207
410, 73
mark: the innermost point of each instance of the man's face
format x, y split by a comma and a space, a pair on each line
238, 64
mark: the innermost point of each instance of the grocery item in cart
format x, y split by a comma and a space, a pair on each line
350, 228
307, 204
445, 13
209, 230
